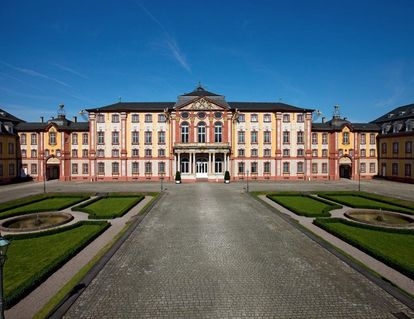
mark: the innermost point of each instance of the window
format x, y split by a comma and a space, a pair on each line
11, 148
314, 138
407, 170
253, 167
101, 153
266, 167
363, 153
314, 168
47, 153
85, 168
161, 152
148, 168
148, 137
286, 137
135, 168
74, 153
300, 137
185, 115
148, 152
23, 139
115, 153
161, 168
267, 118
325, 153
75, 139
100, 118
372, 152
115, 138
185, 165
33, 139
101, 138
372, 138
300, 118
101, 168
286, 152
11, 169
184, 132
300, 152
148, 118
33, 154
383, 148
135, 152
340, 152
201, 115
74, 168
1, 169
241, 136
161, 137
286, 118
408, 147
201, 132
218, 132
363, 139
52, 138
218, 165
345, 138
314, 153
267, 152
135, 137
254, 152
134, 118
395, 147
324, 168
266, 137
33, 169
161, 118
372, 167
218, 115
286, 168
85, 139
241, 118
85, 153
241, 152
24, 153
324, 138
115, 118
115, 168
253, 137
300, 167
253, 118
363, 168
394, 168
241, 168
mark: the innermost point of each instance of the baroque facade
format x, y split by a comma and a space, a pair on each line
201, 135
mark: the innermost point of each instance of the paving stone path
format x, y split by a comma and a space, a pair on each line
214, 252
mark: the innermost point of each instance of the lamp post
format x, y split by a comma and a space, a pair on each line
4, 244
44, 174
359, 177
161, 181
247, 181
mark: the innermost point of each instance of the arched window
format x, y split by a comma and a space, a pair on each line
185, 165
201, 132
184, 132
218, 129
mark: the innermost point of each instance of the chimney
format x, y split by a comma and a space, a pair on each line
324, 119
42, 119
75, 119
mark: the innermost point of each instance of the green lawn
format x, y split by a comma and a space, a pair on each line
32, 258
52, 203
109, 207
393, 247
304, 205
363, 201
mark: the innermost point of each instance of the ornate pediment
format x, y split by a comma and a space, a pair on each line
202, 104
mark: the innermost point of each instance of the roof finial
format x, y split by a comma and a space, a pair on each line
120, 99
199, 87
336, 113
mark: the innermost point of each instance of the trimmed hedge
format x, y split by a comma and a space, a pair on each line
324, 213
93, 214
325, 223
402, 206
27, 201
29, 285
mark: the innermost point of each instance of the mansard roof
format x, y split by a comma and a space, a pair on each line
267, 106
7, 117
337, 124
399, 113
62, 124
133, 106
200, 91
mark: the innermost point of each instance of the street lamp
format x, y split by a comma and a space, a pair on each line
359, 177
247, 181
4, 244
161, 181
44, 175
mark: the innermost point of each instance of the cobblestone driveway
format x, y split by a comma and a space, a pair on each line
213, 252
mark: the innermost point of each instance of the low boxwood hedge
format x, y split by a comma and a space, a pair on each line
401, 266
29, 285
323, 213
95, 214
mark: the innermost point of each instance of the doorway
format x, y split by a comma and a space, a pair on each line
201, 168
52, 172
345, 171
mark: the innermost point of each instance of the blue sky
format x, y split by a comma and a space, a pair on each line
314, 54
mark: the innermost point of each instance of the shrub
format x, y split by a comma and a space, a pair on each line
178, 176
227, 176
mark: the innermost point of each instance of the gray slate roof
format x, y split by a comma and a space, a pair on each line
7, 117
336, 124
399, 113
68, 126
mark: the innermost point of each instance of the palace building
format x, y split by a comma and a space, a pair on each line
202, 136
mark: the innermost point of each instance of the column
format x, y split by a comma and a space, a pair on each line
178, 162
190, 157
209, 163
194, 163
214, 162
224, 162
